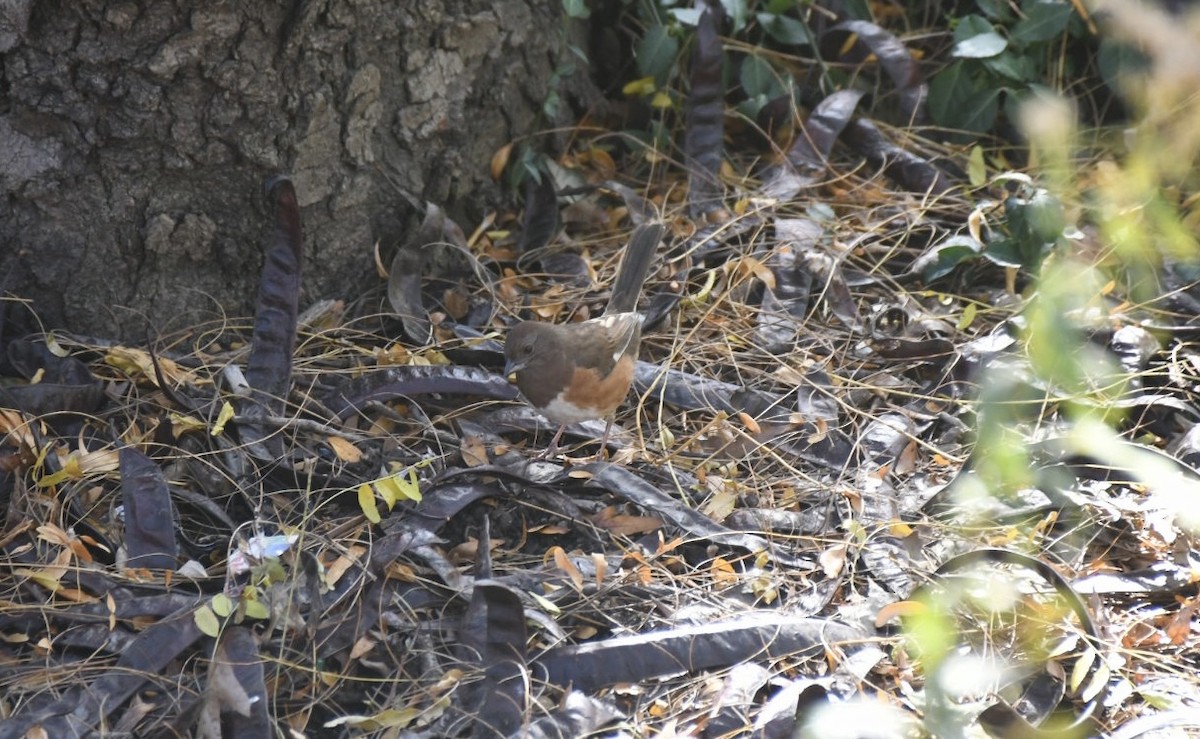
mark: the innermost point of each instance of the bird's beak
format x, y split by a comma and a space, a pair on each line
511, 368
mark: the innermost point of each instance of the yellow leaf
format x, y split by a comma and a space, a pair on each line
967, 318
222, 605
181, 424
53, 479
396, 487
1080, 670
1097, 683
54, 347
136, 363
661, 100
644, 86
366, 501
255, 609
388, 489
976, 169
546, 604
223, 418
207, 621
387, 718
602, 160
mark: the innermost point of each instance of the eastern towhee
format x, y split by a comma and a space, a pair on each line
581, 371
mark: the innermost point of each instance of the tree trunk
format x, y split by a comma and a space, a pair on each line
135, 137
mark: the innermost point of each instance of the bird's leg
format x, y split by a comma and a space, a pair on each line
603, 451
551, 450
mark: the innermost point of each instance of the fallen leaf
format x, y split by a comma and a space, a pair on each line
345, 450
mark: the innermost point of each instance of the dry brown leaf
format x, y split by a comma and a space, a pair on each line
549, 529
722, 572
1179, 627
898, 609
456, 302
600, 562
907, 461
585, 632
343, 563
564, 563
723, 500
136, 364
833, 560
500, 160
749, 422
14, 426
626, 525
345, 450
400, 571
363, 646
474, 452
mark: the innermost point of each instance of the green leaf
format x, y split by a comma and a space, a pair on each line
785, 29
1004, 252
751, 106
947, 90
550, 105
1045, 218
738, 11
858, 9
687, 16
779, 7
978, 112
1013, 66
577, 9
972, 25
981, 46
757, 77
656, 53
1117, 60
1043, 21
997, 10
946, 256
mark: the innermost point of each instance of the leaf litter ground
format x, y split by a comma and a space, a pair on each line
798, 472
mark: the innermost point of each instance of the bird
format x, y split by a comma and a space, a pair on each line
583, 371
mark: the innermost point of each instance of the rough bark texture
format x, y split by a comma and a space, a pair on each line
135, 138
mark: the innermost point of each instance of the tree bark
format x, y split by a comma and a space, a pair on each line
135, 137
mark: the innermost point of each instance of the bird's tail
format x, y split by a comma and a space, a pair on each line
635, 266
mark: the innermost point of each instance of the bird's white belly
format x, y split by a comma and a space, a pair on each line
564, 411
